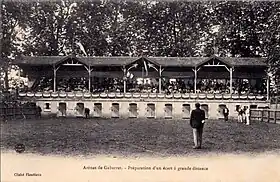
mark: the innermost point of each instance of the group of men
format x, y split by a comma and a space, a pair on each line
63, 112
243, 115
197, 121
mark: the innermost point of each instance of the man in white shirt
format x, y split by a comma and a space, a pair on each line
247, 115
240, 113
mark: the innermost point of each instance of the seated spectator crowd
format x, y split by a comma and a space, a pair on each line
150, 85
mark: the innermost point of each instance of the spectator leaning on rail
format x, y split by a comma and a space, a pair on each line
197, 122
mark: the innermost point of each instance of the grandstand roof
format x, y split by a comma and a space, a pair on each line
120, 61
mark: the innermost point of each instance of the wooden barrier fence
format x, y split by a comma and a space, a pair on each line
265, 115
26, 111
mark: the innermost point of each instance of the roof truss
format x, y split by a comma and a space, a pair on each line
214, 61
72, 62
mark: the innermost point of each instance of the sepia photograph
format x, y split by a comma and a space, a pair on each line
139, 90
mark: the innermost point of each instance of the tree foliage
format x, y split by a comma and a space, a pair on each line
134, 28
12, 20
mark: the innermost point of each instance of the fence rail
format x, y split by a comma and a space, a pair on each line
265, 115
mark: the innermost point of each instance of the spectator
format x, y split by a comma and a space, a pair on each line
240, 114
219, 86
87, 111
226, 113
38, 111
247, 115
62, 111
243, 114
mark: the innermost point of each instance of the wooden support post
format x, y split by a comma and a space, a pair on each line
89, 79
277, 97
268, 116
124, 79
230, 81
54, 79
262, 115
195, 79
275, 116
159, 81
267, 88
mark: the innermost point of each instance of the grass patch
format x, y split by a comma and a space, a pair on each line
127, 137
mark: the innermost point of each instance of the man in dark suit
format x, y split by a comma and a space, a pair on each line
226, 113
197, 122
38, 111
87, 111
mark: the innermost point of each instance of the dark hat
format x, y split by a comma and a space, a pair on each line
197, 105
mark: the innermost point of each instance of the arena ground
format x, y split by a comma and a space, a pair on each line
134, 137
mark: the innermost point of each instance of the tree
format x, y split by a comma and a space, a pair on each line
152, 28
247, 28
50, 28
12, 16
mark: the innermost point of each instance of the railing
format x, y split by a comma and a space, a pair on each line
17, 112
265, 115
200, 96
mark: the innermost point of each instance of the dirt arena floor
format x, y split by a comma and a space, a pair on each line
136, 137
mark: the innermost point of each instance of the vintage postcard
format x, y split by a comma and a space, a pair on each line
160, 91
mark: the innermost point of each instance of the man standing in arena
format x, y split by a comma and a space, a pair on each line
244, 114
226, 113
240, 114
197, 122
87, 112
38, 111
247, 115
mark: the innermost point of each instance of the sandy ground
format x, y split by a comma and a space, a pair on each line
226, 167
